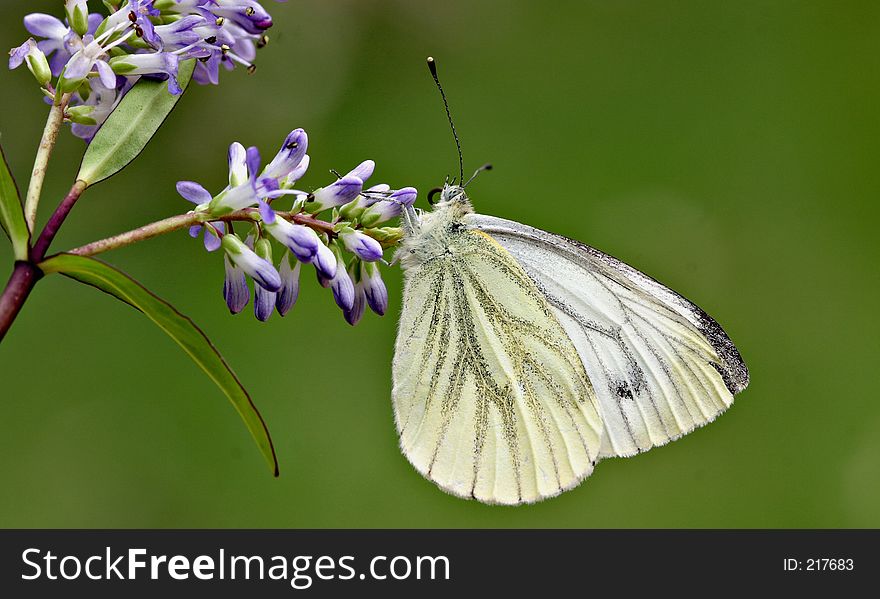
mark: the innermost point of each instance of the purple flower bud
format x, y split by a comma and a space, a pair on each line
299, 239
235, 289
325, 263
342, 286
363, 171
237, 157
374, 288
264, 300
337, 193
36, 61
247, 14
261, 271
354, 315
389, 208
292, 151
364, 246
77, 15
286, 298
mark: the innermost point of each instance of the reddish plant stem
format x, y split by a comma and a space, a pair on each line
22, 280
56, 220
26, 274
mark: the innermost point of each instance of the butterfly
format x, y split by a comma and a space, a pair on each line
524, 357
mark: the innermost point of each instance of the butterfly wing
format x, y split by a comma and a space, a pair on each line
491, 400
660, 366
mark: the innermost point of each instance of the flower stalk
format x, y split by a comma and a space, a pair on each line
41, 162
183, 221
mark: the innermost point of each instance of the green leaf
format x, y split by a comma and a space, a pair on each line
11, 211
178, 327
130, 126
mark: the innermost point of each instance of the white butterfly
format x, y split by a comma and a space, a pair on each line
524, 357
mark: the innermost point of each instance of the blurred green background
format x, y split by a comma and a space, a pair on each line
728, 149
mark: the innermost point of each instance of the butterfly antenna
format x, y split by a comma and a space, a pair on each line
485, 167
432, 66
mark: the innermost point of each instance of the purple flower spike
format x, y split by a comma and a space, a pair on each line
325, 263
286, 298
374, 288
292, 151
338, 193
192, 191
365, 247
235, 289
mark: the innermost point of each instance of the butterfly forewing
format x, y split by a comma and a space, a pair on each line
659, 365
491, 398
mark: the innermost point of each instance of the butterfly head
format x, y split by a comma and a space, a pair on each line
452, 194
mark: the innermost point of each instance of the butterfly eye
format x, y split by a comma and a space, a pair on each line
433, 193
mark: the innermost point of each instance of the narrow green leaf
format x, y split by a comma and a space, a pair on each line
177, 326
11, 211
130, 126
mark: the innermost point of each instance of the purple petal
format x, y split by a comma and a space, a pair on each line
354, 315
343, 289
195, 230
339, 192
108, 77
235, 288
95, 20
264, 303
237, 157
325, 262
253, 161
364, 246
266, 212
363, 171
78, 67
376, 293
44, 25
286, 298
212, 240
17, 55
289, 156
192, 191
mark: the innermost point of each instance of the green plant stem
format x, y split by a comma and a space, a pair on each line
41, 162
182, 221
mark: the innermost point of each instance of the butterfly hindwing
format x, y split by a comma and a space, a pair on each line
660, 366
491, 399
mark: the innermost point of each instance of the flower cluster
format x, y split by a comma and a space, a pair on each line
97, 59
345, 247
